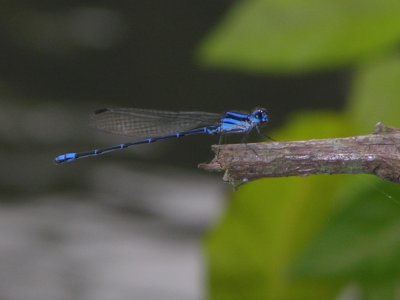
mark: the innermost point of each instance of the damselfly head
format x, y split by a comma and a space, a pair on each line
260, 116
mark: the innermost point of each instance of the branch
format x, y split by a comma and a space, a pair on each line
377, 153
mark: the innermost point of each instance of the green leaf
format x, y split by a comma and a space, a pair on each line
266, 224
270, 222
292, 35
362, 240
375, 96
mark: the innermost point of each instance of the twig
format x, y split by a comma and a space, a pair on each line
377, 153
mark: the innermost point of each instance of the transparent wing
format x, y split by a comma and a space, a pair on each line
143, 123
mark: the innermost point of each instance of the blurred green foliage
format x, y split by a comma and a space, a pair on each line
321, 236
376, 93
297, 35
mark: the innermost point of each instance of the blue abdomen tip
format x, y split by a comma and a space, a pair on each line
65, 158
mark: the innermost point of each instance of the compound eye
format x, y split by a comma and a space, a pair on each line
258, 115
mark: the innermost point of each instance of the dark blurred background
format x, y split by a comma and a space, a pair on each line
126, 225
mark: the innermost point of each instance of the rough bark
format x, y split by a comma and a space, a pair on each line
377, 154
